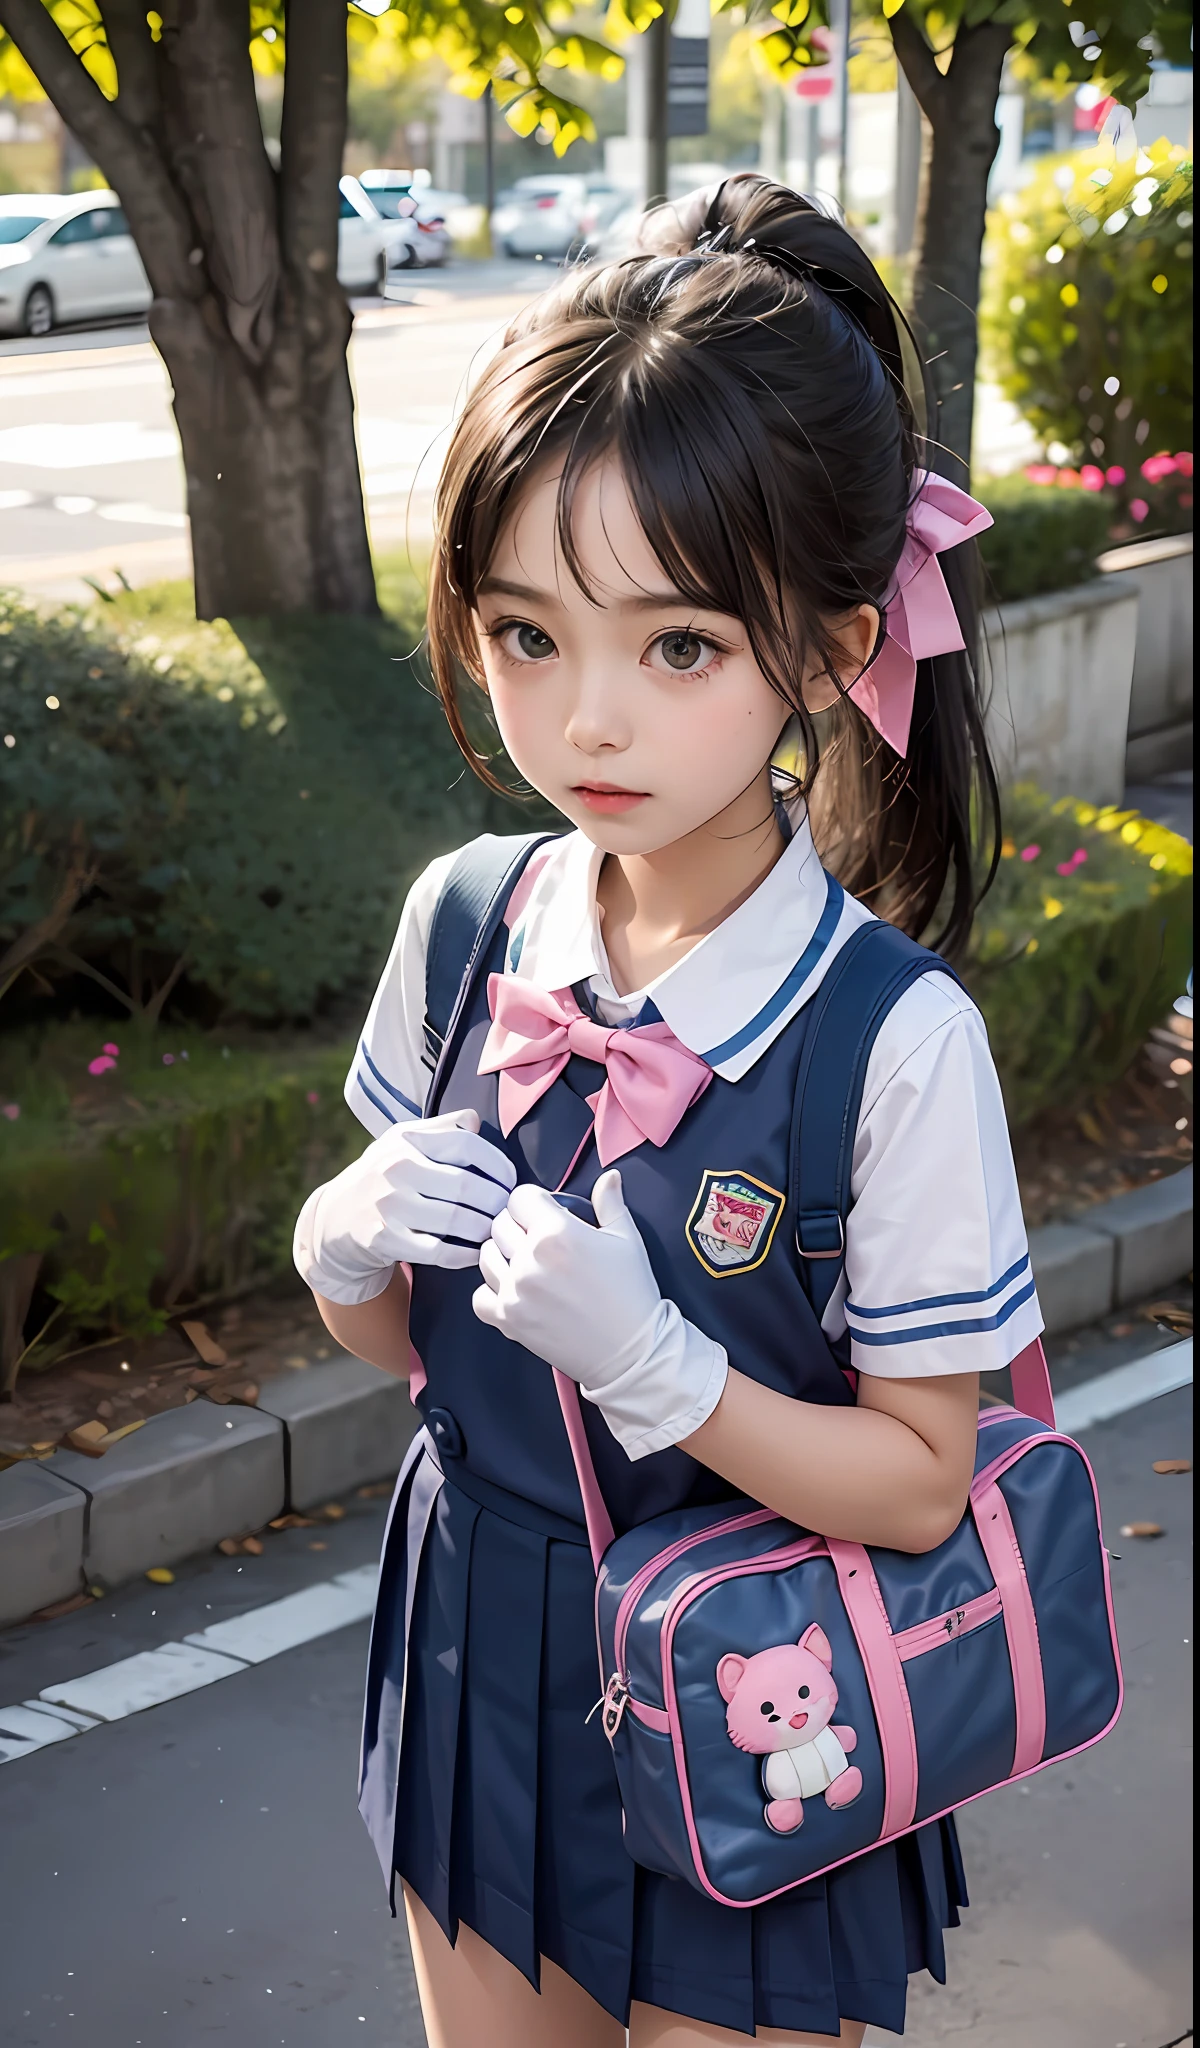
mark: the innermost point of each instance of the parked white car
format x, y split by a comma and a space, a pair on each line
396, 196
66, 257
368, 244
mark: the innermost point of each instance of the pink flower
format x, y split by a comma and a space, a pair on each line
1156, 467
312, 1097
1183, 464
101, 1064
1030, 852
1041, 473
12, 1111
1068, 479
1114, 476
113, 1051
168, 1059
1091, 478
1138, 509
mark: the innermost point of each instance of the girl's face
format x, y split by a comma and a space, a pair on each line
637, 714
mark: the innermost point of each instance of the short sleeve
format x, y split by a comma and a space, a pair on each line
391, 1070
938, 1276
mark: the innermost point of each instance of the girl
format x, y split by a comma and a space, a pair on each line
684, 508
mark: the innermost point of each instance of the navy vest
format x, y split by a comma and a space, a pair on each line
491, 1405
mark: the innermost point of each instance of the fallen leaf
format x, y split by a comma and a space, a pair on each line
252, 1546
229, 1546
1122, 1329
332, 1513
318, 1546
114, 1435
1090, 1128
375, 1492
292, 1522
206, 1344
1171, 1315
1141, 1529
104, 1409
40, 1450
158, 1575
189, 1396
243, 1391
1165, 1466
88, 1438
70, 1606
297, 1364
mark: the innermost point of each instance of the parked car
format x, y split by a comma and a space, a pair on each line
539, 216
369, 245
397, 196
66, 257
601, 211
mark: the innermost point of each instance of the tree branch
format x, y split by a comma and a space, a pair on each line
214, 137
138, 94
917, 62
313, 136
129, 159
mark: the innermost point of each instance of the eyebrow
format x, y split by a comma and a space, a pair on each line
651, 600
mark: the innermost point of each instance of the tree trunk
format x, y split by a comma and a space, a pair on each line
960, 106
242, 260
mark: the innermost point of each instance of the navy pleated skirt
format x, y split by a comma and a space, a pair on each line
508, 1817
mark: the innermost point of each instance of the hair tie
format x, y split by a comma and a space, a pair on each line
919, 617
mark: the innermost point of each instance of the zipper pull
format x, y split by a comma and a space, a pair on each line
616, 1693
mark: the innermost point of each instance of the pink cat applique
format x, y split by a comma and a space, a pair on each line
780, 1707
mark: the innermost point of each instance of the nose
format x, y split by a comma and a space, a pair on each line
596, 724
797, 1720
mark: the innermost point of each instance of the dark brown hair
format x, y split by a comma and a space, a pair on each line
758, 386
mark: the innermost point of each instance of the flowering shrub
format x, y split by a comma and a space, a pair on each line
1087, 308
1042, 539
1157, 498
1082, 943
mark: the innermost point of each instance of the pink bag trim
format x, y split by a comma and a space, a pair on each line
599, 1525
1032, 1391
944, 1628
885, 1677
662, 1558
1007, 1566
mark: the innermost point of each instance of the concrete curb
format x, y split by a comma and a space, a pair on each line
196, 1474
1114, 1253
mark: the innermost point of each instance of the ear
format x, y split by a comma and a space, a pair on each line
816, 1642
730, 1672
854, 635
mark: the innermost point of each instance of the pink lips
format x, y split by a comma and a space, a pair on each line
797, 1720
605, 797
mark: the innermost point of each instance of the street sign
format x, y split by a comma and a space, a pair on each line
687, 72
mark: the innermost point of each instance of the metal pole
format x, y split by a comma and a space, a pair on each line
658, 52
844, 107
489, 160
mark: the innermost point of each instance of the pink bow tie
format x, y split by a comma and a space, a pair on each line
651, 1077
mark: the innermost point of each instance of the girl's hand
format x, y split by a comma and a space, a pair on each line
586, 1301
424, 1194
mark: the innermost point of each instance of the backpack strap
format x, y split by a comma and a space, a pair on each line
868, 976
465, 920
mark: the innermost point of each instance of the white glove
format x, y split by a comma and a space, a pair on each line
587, 1301
418, 1186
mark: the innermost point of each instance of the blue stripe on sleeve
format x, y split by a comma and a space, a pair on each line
383, 1081
901, 1308
380, 1106
795, 980
973, 1329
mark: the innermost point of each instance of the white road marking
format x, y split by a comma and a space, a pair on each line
227, 1647
154, 1676
86, 444
1128, 1386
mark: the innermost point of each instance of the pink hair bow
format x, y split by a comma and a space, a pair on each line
651, 1079
921, 619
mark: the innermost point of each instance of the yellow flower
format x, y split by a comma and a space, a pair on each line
1008, 849
1032, 946
1069, 295
1158, 284
1158, 860
1131, 832
1052, 907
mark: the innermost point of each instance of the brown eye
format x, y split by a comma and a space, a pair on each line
533, 643
682, 650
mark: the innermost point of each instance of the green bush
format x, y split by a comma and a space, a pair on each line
174, 1174
1043, 539
1090, 284
1083, 943
225, 817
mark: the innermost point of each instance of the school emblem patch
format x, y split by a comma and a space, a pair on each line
732, 1222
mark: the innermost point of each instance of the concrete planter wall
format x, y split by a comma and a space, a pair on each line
1160, 705
1061, 679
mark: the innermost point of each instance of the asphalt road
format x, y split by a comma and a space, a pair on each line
200, 1870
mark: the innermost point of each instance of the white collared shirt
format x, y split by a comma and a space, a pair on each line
937, 1276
